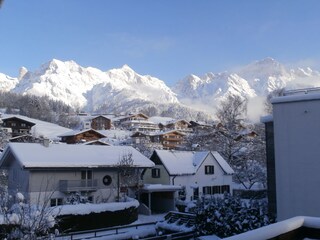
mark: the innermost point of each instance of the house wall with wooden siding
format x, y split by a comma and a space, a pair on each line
101, 123
18, 126
171, 140
85, 136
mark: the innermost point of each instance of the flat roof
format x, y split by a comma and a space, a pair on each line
296, 98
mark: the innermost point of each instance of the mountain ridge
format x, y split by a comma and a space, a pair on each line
124, 89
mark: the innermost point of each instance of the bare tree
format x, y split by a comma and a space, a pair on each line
240, 143
230, 114
128, 175
275, 93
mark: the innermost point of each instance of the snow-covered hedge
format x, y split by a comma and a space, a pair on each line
229, 216
92, 216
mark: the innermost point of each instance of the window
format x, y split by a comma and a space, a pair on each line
86, 175
195, 194
182, 193
155, 173
23, 125
216, 189
209, 169
225, 188
55, 202
207, 190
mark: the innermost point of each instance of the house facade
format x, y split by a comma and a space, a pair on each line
168, 139
58, 173
199, 127
180, 125
140, 125
130, 117
17, 126
197, 173
101, 123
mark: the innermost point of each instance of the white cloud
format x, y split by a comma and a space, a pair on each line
256, 108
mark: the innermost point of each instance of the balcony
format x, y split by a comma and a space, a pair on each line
78, 185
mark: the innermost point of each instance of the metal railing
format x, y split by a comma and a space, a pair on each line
78, 185
301, 91
102, 232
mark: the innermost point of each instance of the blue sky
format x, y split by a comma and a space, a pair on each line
168, 39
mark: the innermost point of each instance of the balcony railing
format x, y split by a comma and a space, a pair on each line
78, 185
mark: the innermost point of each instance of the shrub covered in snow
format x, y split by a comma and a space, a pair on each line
21, 220
229, 215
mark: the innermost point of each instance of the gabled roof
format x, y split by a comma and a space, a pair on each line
77, 132
188, 162
96, 142
133, 115
103, 116
22, 119
33, 156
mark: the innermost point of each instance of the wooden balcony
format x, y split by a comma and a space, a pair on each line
78, 185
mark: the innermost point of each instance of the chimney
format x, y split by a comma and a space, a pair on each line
45, 142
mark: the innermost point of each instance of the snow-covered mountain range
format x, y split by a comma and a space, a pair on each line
256, 79
124, 90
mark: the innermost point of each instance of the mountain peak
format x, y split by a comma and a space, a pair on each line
127, 68
267, 61
22, 72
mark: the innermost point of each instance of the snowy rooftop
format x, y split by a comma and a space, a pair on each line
42, 128
158, 119
160, 187
274, 230
76, 132
141, 121
188, 162
296, 98
32, 155
265, 119
176, 121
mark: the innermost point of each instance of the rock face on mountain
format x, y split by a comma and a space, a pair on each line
78, 86
256, 79
124, 90
7, 83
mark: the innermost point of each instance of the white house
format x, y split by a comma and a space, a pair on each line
198, 173
57, 172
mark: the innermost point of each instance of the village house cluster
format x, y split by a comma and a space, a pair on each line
98, 163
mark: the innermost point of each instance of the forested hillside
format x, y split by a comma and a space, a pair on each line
41, 108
